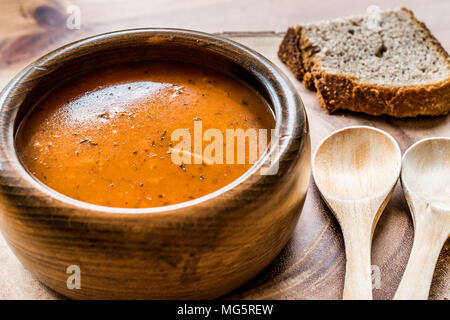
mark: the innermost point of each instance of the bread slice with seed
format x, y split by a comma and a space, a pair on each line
384, 63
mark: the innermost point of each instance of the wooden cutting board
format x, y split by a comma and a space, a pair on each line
312, 264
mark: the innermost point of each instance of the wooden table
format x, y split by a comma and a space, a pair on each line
312, 265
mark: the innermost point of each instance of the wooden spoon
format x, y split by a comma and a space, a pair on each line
426, 183
356, 169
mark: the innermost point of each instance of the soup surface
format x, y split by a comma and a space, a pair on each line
105, 138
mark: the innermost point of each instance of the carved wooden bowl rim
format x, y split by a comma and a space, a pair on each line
290, 116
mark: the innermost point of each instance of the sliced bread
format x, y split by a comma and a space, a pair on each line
381, 63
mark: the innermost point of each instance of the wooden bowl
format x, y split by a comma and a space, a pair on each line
198, 249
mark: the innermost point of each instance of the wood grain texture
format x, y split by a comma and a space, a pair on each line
312, 265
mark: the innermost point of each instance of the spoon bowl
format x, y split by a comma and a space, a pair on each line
355, 170
425, 180
356, 163
426, 171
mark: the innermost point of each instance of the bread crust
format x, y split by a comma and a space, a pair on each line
290, 54
308, 51
336, 91
340, 91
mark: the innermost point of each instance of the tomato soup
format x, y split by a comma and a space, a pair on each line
105, 138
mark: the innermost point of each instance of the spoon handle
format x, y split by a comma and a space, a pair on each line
428, 241
358, 279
